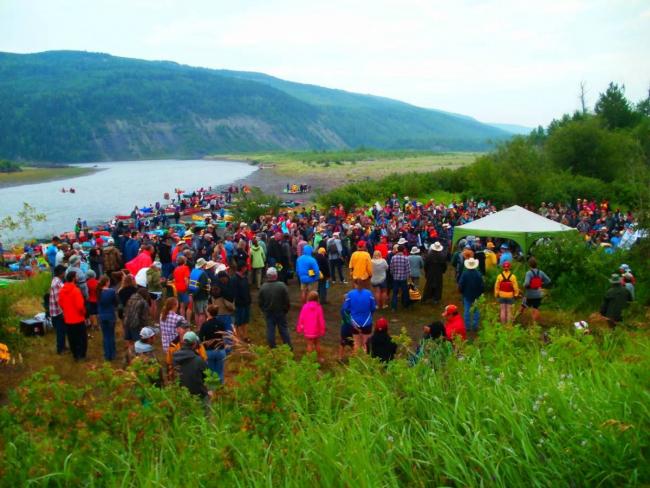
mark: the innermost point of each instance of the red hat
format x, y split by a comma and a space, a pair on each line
450, 310
382, 324
507, 265
361, 244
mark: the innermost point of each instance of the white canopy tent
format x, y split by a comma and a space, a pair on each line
515, 223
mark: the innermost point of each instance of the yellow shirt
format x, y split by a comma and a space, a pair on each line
490, 259
360, 265
506, 294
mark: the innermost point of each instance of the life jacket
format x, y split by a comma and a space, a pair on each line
536, 281
506, 284
195, 277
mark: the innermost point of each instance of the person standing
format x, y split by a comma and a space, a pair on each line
505, 290
106, 305
417, 265
400, 270
435, 266
379, 280
311, 323
324, 277
242, 299
199, 288
181, 276
534, 282
56, 313
334, 248
360, 264
359, 305
136, 317
258, 261
274, 301
307, 271
73, 304
471, 287
112, 258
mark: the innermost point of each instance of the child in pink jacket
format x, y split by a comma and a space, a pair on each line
311, 323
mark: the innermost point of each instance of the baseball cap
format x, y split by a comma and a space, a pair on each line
382, 324
147, 333
190, 338
449, 310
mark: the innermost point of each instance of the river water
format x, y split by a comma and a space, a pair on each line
113, 191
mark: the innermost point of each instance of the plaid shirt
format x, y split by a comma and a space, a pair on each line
168, 328
400, 267
55, 288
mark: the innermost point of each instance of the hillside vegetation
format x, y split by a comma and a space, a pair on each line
77, 106
604, 154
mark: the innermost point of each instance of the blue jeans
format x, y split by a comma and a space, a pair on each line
397, 286
278, 320
59, 327
467, 305
217, 361
108, 333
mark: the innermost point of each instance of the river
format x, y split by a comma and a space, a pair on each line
114, 190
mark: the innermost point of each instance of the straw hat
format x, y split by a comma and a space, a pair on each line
436, 246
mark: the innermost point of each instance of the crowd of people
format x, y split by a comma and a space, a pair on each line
191, 289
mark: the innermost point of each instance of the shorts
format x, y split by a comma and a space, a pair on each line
183, 297
367, 330
506, 301
242, 315
346, 335
199, 306
532, 302
381, 285
308, 286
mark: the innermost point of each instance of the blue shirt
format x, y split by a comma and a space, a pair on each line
106, 304
360, 304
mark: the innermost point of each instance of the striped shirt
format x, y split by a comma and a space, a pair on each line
55, 288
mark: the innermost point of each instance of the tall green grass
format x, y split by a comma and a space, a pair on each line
33, 288
508, 410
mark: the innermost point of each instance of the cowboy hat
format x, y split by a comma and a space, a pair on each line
415, 250
436, 246
471, 263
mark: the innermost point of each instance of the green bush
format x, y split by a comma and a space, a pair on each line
508, 410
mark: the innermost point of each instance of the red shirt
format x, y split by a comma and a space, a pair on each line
92, 289
455, 326
181, 278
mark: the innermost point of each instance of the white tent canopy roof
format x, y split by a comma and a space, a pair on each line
514, 223
516, 219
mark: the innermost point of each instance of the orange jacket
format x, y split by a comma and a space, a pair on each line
72, 303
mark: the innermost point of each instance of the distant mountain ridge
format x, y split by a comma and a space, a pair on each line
77, 106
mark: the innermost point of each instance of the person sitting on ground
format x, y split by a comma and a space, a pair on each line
505, 290
346, 335
534, 281
190, 366
144, 346
212, 335
454, 325
381, 344
434, 331
615, 301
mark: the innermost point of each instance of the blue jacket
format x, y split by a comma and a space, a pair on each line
471, 284
360, 304
107, 304
305, 264
131, 249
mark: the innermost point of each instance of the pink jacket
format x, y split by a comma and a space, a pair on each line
311, 322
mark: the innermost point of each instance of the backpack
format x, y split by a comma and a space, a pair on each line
536, 281
506, 285
331, 247
195, 284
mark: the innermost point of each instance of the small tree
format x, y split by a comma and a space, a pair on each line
24, 219
253, 205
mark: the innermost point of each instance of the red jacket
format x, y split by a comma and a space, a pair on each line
142, 260
455, 326
72, 303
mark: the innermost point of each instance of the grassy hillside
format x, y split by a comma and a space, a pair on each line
77, 106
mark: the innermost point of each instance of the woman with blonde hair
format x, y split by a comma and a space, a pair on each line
379, 280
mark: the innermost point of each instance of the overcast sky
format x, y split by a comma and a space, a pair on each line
510, 61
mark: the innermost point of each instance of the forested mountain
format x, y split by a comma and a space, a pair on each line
78, 106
